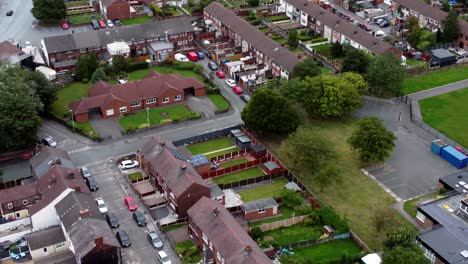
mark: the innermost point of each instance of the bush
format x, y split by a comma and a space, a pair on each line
214, 90
197, 69
317, 40
302, 209
138, 66
193, 115
176, 118
183, 66
328, 216
255, 22
291, 198
84, 80
256, 232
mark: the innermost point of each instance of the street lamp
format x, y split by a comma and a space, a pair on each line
147, 117
73, 120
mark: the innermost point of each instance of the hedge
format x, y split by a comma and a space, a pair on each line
318, 40
138, 66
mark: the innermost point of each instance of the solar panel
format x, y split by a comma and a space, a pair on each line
177, 154
198, 160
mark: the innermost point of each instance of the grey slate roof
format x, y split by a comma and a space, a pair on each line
216, 191
40, 163
45, 237
274, 51
259, 204
270, 165
68, 209
292, 186
100, 38
442, 53
66, 257
453, 180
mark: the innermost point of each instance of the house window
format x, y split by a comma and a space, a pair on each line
177, 97
463, 207
109, 112
123, 109
136, 104
45, 249
151, 101
420, 216
218, 255
179, 42
205, 238
25, 202
165, 100
10, 205
59, 245
36, 198
261, 211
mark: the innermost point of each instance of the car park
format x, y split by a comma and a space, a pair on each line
112, 220
102, 24
212, 66
92, 184
65, 25
237, 90
94, 24
117, 23
101, 205
245, 97
163, 257
181, 57
155, 240
230, 82
85, 172
128, 164
109, 23
130, 203
49, 141
123, 238
139, 218
9, 13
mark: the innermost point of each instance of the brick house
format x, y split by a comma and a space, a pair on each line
260, 209
15, 201
61, 52
47, 158
155, 90
115, 9
221, 237
172, 175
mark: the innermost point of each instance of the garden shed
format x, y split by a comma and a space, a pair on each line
271, 167
201, 163
260, 209
258, 151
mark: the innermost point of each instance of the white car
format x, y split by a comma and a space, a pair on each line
101, 205
181, 57
164, 258
109, 23
49, 141
128, 164
230, 82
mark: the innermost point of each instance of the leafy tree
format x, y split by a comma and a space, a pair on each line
259, 115
293, 39
93, 63
402, 255
450, 27
445, 6
426, 40
336, 49
293, 89
372, 140
438, 36
256, 232
327, 175
19, 108
291, 198
400, 237
306, 68
49, 9
328, 216
198, 68
307, 150
254, 3
98, 75
119, 63
385, 73
81, 69
414, 34
357, 80
290, 259
355, 60
46, 90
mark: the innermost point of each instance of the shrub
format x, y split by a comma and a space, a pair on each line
193, 115
176, 118
256, 232
255, 22
84, 80
290, 198
138, 66
317, 40
131, 129
214, 90
183, 66
197, 69
328, 216
302, 209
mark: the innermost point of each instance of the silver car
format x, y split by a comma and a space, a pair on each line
85, 172
154, 239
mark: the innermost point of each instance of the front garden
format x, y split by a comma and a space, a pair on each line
219, 101
136, 20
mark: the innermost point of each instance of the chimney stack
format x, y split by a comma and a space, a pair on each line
77, 189
71, 174
248, 249
162, 144
183, 167
99, 241
84, 213
216, 211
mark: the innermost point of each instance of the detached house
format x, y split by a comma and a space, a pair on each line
173, 175
221, 237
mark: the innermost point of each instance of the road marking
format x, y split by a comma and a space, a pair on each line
398, 199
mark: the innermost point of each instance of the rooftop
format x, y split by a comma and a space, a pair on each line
19, 192
68, 210
45, 237
259, 204
457, 181
47, 157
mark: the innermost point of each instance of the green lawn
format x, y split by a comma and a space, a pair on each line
327, 252
139, 74
68, 94
83, 19
86, 127
156, 116
137, 20
295, 233
188, 256
415, 63
239, 175
173, 227
433, 79
324, 49
234, 162
356, 196
285, 214
277, 18
280, 40
210, 145
265, 191
447, 113
411, 206
135, 176
219, 101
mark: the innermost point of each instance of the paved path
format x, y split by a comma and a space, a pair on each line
399, 207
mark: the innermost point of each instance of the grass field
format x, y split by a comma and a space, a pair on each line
329, 251
219, 101
139, 74
324, 50
86, 127
239, 175
433, 79
295, 233
356, 196
137, 20
265, 191
68, 94
233, 162
447, 113
210, 145
173, 227
411, 206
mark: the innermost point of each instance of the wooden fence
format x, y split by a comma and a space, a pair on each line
243, 166
249, 181
282, 223
231, 155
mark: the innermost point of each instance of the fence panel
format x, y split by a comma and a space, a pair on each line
206, 136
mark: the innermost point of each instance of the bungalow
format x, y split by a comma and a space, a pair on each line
260, 209
221, 237
155, 90
173, 175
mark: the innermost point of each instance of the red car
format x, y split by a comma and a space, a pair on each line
237, 90
130, 203
64, 25
220, 74
102, 24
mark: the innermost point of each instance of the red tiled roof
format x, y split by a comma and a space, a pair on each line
7, 50
19, 192
228, 237
99, 88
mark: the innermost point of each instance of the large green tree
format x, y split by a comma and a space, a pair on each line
403, 255
293, 38
306, 68
355, 60
119, 64
372, 140
82, 68
93, 63
19, 109
49, 9
386, 74
357, 80
450, 27
270, 111
46, 90
98, 75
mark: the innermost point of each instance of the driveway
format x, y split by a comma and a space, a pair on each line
413, 169
106, 127
200, 105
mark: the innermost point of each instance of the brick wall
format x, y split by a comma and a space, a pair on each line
256, 215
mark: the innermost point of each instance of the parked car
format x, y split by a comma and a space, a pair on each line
94, 24
365, 27
212, 66
130, 203
237, 90
92, 184
193, 56
123, 238
65, 25
117, 23
85, 172
9, 13
155, 241
163, 257
101, 205
139, 218
49, 141
201, 56
384, 24
245, 97
181, 57
230, 82
128, 164
112, 220
109, 23
102, 24
220, 74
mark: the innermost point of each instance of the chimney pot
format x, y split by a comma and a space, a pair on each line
99, 241
84, 213
71, 174
183, 167
248, 249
